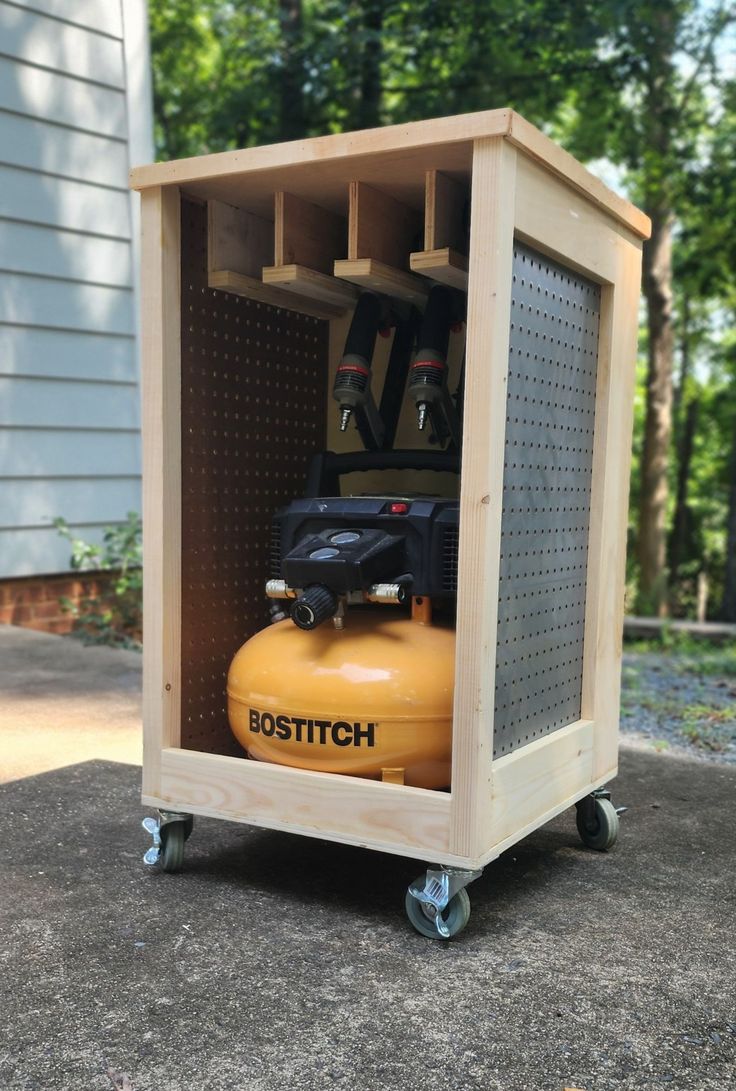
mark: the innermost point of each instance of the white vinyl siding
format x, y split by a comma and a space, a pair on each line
103, 15
20, 504
69, 392
50, 96
46, 453
58, 202
52, 43
67, 354
87, 405
54, 149
52, 252
44, 301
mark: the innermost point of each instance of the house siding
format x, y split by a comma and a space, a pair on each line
71, 74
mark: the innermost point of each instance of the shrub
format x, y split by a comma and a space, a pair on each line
112, 614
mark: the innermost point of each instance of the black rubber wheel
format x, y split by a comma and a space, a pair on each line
455, 915
602, 833
173, 836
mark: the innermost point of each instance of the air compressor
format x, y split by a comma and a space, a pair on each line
355, 674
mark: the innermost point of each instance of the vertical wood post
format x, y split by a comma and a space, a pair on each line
486, 371
161, 393
608, 508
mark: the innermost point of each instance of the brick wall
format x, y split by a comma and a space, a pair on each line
33, 601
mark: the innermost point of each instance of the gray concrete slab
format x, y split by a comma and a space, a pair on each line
279, 962
63, 702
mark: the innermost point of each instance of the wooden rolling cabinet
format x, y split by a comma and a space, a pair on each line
251, 264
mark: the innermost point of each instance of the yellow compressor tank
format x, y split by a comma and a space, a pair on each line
370, 700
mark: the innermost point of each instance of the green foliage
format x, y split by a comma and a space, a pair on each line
639, 85
220, 66
113, 614
661, 52
705, 281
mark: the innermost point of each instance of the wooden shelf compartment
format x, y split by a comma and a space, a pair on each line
444, 257
381, 234
308, 238
239, 245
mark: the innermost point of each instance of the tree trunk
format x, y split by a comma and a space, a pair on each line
291, 91
369, 109
685, 360
678, 539
728, 606
652, 542
658, 159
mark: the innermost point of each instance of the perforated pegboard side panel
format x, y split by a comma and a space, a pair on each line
252, 414
550, 418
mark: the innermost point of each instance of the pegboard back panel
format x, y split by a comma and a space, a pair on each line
253, 399
550, 417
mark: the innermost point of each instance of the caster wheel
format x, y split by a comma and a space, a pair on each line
455, 915
173, 837
602, 832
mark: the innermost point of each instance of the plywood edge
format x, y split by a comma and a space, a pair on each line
312, 284
533, 142
446, 266
388, 817
413, 134
225, 280
369, 273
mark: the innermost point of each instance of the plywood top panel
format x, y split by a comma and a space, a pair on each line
325, 182
394, 158
324, 152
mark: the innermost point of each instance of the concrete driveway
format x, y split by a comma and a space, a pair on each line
62, 702
275, 962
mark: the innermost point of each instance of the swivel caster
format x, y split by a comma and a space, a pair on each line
169, 836
597, 820
437, 903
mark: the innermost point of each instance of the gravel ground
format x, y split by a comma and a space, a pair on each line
682, 701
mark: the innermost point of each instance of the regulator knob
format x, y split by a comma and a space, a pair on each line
315, 604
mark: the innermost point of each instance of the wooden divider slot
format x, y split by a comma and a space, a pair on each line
239, 245
381, 235
444, 257
307, 234
307, 241
445, 221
